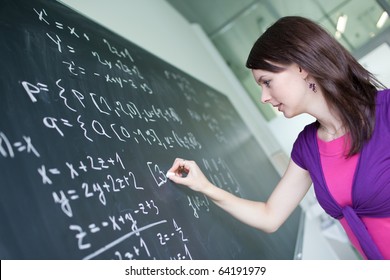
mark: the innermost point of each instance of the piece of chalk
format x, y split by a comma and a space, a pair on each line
169, 174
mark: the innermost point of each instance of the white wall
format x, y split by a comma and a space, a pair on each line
377, 62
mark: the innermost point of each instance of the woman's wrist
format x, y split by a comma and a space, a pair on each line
212, 192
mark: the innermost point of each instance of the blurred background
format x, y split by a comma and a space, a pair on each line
233, 26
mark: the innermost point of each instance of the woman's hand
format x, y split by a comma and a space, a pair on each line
188, 173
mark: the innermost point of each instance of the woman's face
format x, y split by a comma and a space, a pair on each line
286, 90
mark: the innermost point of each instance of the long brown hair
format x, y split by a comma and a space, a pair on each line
347, 86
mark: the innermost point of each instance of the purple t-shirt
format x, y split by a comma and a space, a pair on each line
371, 184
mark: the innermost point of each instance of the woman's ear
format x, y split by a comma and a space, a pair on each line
303, 72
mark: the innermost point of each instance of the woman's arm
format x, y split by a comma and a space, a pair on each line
267, 216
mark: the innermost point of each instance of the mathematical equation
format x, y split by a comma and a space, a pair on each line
134, 78
106, 109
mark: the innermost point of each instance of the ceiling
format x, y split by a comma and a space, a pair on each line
234, 25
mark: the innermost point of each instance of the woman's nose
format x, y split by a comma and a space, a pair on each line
265, 97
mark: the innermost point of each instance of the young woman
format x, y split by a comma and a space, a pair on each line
345, 153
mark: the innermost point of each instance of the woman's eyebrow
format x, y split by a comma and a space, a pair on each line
260, 79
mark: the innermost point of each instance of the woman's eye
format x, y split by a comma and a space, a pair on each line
267, 83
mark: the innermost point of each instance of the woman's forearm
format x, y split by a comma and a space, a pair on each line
252, 213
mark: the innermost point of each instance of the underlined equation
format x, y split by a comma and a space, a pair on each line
140, 249
129, 227
122, 226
